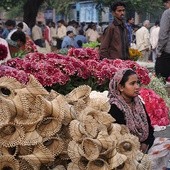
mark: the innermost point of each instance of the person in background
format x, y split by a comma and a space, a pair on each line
47, 36
82, 25
88, 29
80, 39
162, 65
142, 41
1, 29
129, 26
10, 27
127, 107
61, 33
17, 42
37, 34
53, 34
114, 42
135, 28
72, 25
99, 28
68, 40
154, 34
26, 29
30, 45
93, 35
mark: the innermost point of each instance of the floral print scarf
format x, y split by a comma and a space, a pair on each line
135, 117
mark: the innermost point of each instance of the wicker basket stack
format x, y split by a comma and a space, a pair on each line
42, 130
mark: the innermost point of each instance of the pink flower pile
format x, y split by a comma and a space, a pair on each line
84, 53
20, 75
51, 68
155, 107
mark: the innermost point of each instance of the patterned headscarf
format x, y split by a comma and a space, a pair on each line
136, 118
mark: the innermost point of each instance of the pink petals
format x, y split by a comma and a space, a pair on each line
156, 107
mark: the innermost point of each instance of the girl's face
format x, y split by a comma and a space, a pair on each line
131, 87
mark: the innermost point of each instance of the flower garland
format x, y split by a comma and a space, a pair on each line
155, 107
3, 52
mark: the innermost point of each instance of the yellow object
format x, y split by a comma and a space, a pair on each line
134, 54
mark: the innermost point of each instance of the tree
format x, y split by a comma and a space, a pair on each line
139, 6
8, 4
30, 7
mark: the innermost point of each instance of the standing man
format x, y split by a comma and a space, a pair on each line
37, 34
142, 40
114, 43
61, 33
162, 65
129, 26
93, 35
154, 34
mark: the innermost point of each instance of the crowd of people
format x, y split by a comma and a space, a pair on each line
50, 34
115, 38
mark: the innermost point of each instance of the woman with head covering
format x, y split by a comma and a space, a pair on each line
127, 107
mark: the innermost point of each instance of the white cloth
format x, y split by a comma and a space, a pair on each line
159, 153
26, 29
159, 128
10, 33
61, 31
92, 35
53, 32
142, 39
154, 37
37, 33
71, 28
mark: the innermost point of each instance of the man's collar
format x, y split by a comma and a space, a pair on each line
117, 21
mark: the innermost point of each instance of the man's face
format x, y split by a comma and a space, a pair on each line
119, 12
167, 4
132, 21
71, 35
59, 24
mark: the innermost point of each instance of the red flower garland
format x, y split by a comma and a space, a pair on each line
3, 52
155, 107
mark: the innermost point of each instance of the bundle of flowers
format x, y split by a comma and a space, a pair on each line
156, 107
47, 130
134, 54
84, 53
8, 71
65, 72
3, 52
158, 85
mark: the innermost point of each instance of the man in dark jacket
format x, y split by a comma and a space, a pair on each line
114, 43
